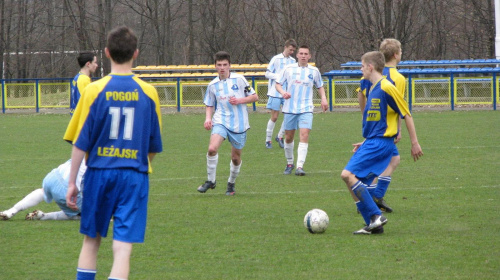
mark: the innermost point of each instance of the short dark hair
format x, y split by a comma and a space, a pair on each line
291, 42
304, 47
376, 59
121, 44
222, 55
85, 57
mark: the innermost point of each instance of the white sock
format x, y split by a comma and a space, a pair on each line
212, 167
289, 152
281, 133
270, 130
301, 154
234, 170
28, 201
57, 216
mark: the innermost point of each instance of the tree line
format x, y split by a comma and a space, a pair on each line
41, 38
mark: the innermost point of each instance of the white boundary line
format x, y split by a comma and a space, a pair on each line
192, 191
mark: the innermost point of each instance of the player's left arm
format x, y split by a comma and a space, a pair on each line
248, 92
324, 102
318, 81
416, 150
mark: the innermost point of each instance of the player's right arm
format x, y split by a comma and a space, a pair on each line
208, 117
283, 93
271, 69
361, 100
77, 156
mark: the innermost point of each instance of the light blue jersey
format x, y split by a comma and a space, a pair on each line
299, 83
275, 68
233, 117
55, 186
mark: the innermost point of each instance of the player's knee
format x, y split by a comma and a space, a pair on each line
345, 175
395, 161
212, 151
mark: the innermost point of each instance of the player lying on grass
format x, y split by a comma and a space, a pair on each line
54, 188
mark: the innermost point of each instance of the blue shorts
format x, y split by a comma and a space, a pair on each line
237, 140
372, 158
275, 103
121, 194
55, 189
294, 121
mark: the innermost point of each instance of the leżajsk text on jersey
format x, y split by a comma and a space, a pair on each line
117, 122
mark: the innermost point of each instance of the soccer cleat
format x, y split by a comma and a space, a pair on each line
288, 169
5, 216
377, 230
207, 185
300, 172
376, 221
230, 189
382, 205
280, 142
269, 145
35, 215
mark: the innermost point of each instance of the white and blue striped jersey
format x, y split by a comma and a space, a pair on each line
275, 68
299, 83
233, 117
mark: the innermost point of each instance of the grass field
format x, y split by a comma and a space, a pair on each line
445, 225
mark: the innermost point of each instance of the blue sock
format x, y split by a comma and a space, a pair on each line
371, 189
369, 207
85, 274
382, 185
361, 210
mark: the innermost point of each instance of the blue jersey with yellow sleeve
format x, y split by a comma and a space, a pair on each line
383, 107
392, 75
117, 123
78, 84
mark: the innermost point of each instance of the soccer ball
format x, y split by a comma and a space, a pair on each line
316, 221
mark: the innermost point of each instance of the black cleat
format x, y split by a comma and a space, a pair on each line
280, 142
300, 172
230, 189
207, 185
288, 169
376, 221
382, 205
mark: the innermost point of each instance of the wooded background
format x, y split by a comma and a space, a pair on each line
41, 38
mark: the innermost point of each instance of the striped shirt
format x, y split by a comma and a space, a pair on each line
299, 83
233, 117
276, 66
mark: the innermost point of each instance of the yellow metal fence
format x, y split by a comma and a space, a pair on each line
182, 93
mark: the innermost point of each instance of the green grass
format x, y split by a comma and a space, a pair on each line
445, 224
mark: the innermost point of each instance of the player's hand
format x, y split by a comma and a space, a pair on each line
324, 105
416, 151
234, 101
356, 146
398, 138
286, 95
71, 196
208, 124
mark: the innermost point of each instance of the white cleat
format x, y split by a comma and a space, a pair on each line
35, 215
5, 216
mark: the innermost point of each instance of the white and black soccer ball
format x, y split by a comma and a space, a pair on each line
316, 221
